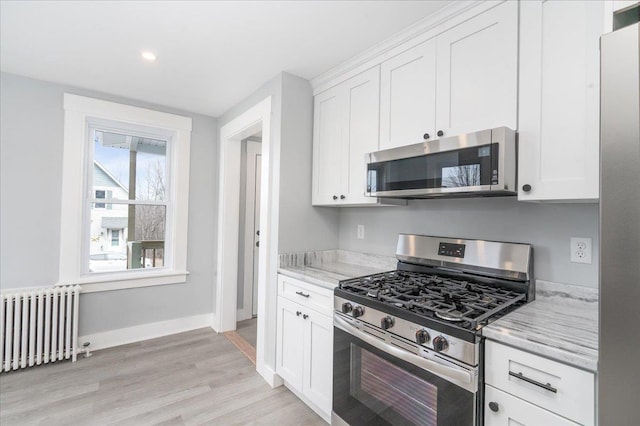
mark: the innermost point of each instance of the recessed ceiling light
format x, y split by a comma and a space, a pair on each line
149, 56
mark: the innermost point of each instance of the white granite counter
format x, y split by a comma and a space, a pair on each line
326, 268
561, 324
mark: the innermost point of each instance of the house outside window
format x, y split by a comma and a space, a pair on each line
134, 207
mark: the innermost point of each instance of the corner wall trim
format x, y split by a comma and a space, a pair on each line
138, 333
270, 376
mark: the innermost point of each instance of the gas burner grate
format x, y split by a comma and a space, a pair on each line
471, 304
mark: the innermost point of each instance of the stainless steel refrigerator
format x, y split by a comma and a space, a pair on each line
619, 346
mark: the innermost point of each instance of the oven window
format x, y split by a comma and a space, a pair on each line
380, 385
467, 167
374, 388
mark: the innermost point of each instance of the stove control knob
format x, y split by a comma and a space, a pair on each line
386, 323
422, 337
440, 344
358, 311
347, 307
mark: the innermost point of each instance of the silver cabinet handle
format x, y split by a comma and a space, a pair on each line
533, 382
460, 375
299, 293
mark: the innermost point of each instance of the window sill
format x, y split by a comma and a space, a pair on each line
120, 281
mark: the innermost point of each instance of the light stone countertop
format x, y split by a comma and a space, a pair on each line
561, 324
326, 268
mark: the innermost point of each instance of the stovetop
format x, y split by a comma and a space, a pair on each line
462, 303
447, 286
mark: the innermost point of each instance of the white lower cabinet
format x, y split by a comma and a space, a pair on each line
527, 389
507, 410
304, 351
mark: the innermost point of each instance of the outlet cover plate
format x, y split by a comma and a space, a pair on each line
580, 250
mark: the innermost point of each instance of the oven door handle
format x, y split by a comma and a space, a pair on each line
460, 375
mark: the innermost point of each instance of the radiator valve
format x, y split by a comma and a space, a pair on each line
85, 349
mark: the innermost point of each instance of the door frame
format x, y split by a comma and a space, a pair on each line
255, 120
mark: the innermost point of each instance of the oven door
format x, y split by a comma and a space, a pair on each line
378, 383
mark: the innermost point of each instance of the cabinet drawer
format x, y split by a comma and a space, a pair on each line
557, 387
512, 410
306, 294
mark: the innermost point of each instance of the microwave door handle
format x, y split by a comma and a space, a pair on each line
460, 375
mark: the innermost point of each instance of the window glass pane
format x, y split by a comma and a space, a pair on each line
100, 194
126, 237
115, 238
129, 167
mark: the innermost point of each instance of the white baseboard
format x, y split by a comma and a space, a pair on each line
269, 376
138, 333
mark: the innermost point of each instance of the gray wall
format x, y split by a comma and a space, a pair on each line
547, 226
302, 227
31, 144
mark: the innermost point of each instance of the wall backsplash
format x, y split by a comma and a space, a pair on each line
548, 227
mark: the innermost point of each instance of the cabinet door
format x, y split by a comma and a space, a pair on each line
328, 153
289, 342
478, 73
361, 132
318, 360
408, 96
559, 100
520, 373
513, 411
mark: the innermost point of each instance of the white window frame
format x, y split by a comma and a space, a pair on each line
81, 113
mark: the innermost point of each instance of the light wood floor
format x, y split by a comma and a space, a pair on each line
248, 329
191, 378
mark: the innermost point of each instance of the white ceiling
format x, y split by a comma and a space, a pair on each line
211, 54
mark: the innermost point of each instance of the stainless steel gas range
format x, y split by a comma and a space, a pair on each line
408, 346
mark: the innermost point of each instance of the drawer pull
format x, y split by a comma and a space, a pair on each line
533, 382
299, 293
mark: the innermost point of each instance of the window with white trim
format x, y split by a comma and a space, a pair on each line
125, 226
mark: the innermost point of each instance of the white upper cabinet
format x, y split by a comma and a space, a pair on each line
328, 153
559, 100
362, 131
346, 127
477, 73
408, 96
463, 80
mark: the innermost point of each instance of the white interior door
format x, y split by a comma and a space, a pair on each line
251, 231
256, 232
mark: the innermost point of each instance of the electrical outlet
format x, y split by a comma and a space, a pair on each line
360, 233
580, 250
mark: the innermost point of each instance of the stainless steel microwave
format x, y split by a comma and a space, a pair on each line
474, 164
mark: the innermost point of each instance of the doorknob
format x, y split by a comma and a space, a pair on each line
257, 243
258, 232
